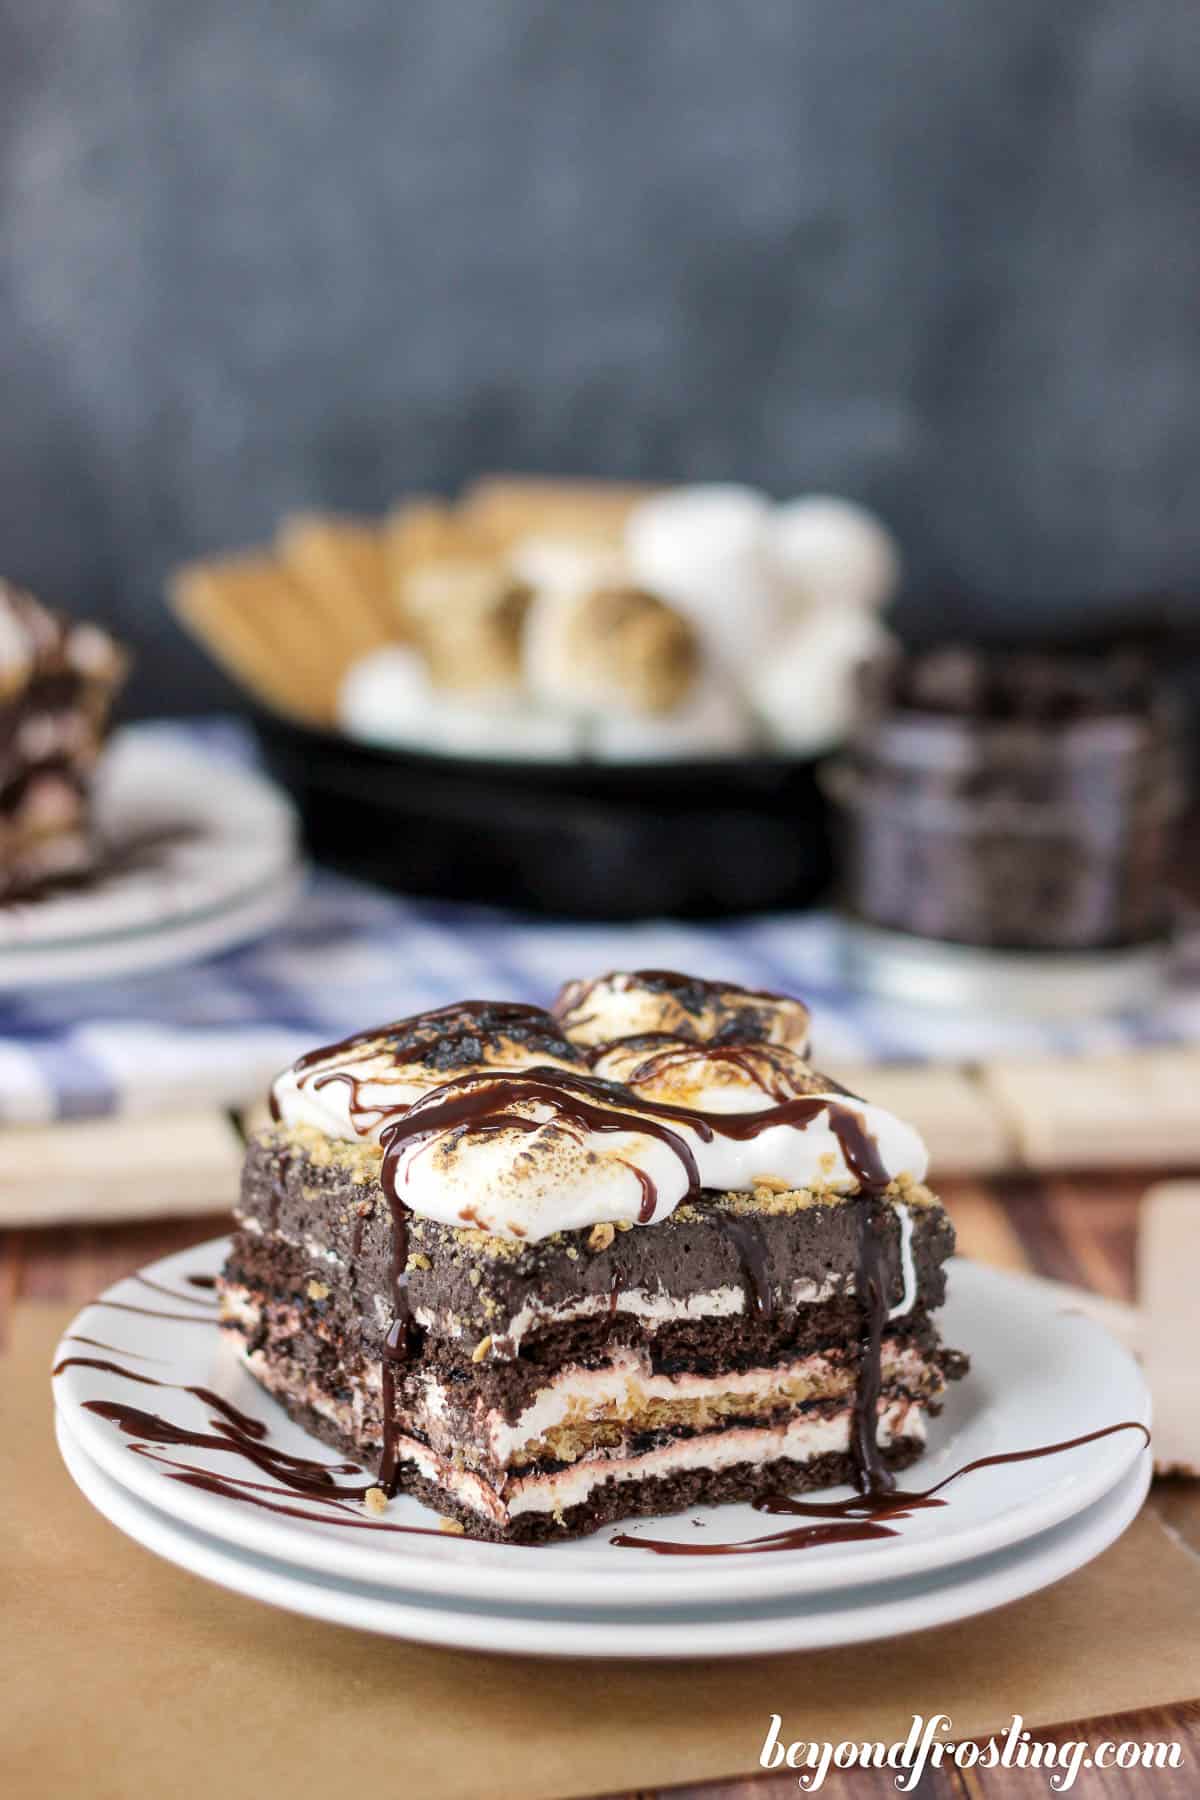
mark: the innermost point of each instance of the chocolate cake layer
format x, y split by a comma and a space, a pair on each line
57, 683
271, 1272
718, 1257
513, 1416
547, 1281
550, 1387
648, 1496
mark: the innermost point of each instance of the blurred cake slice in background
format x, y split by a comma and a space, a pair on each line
58, 680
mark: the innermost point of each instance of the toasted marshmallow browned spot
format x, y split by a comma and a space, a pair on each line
713, 1077
376, 1074
634, 1003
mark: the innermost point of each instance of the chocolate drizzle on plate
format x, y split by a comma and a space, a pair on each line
235, 1433
207, 1317
73, 1337
863, 1516
156, 1287
233, 1415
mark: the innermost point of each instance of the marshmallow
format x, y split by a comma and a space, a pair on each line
678, 1071
827, 550
806, 692
486, 1118
387, 699
712, 721
629, 1004
608, 650
567, 564
706, 549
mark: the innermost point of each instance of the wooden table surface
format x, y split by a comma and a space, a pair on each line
1078, 1228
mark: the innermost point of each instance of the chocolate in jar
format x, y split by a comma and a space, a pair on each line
1010, 799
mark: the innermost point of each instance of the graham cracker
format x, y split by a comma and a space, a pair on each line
507, 508
343, 564
260, 624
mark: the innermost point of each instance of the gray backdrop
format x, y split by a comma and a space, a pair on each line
939, 254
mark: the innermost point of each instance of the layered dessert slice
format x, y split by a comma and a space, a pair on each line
549, 1271
57, 683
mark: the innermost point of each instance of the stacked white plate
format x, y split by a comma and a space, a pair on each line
200, 854
1040, 1375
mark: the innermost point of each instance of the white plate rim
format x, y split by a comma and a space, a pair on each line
185, 928
860, 1616
516, 1570
141, 951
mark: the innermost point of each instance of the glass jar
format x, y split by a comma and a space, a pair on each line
1011, 800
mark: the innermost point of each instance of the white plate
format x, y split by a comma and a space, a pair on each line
1040, 1374
753, 1628
204, 857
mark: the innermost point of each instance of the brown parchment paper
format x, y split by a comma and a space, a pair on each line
121, 1675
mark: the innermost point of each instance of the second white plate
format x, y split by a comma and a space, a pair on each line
751, 1628
203, 854
1039, 1375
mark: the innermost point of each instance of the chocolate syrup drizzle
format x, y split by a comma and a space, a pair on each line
863, 1516
157, 1287
207, 1317
759, 1063
747, 1238
485, 1101
237, 1434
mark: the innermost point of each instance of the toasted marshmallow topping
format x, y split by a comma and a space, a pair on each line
548, 1169
538, 1161
624, 1005
709, 1077
355, 1088
489, 1117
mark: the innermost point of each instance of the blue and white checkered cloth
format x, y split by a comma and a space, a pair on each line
349, 956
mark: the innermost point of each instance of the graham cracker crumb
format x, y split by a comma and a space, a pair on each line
572, 1254
375, 1500
474, 1277
774, 1184
418, 1260
600, 1237
317, 1290
452, 1527
481, 1349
